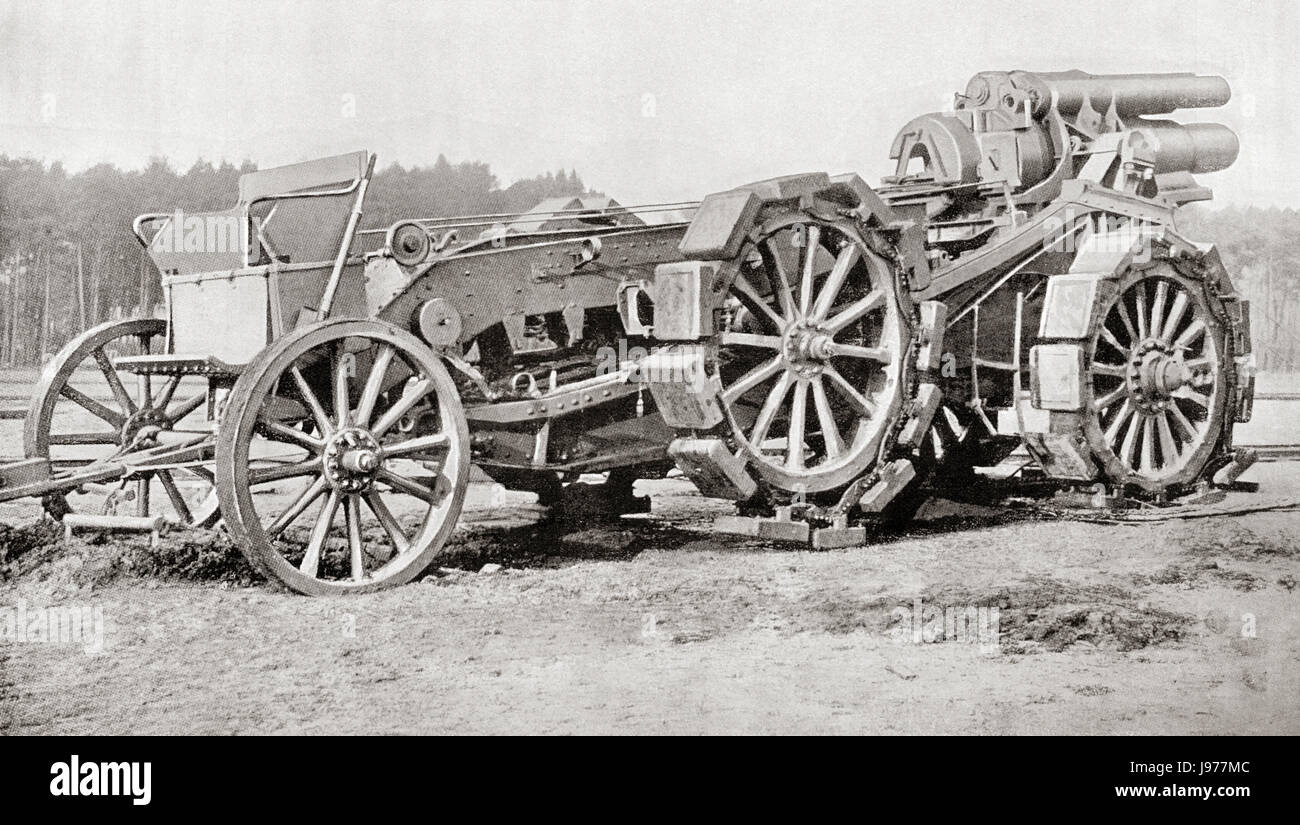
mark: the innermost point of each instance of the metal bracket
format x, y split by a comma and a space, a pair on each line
715, 470
894, 477
924, 407
764, 528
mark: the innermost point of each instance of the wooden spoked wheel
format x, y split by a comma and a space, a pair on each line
86, 410
814, 361
342, 457
1156, 380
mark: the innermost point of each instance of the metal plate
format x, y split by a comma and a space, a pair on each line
1067, 309
1056, 371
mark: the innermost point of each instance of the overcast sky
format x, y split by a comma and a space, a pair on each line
648, 100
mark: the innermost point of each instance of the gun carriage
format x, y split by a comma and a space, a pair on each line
809, 347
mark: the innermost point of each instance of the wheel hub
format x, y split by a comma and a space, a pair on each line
141, 423
1156, 373
352, 458
806, 348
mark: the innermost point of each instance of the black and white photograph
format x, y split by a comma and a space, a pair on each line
733, 367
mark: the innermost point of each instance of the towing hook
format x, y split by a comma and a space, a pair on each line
531, 391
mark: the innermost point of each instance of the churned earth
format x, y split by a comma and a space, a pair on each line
655, 624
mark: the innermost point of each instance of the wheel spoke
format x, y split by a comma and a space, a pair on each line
771, 407
409, 486
79, 439
860, 403
1113, 341
1148, 444
749, 339
844, 263
313, 403
342, 406
1189, 394
750, 380
794, 445
1158, 308
1140, 292
320, 534
826, 420
1110, 398
1113, 370
169, 389
114, 382
1176, 313
186, 407
812, 242
409, 398
374, 384
877, 354
299, 506
386, 520
1186, 426
1130, 439
92, 406
174, 493
867, 303
778, 276
263, 475
1168, 448
1112, 431
283, 433
352, 519
755, 303
1127, 322
440, 442
1194, 330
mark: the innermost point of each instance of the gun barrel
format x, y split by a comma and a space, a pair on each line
1192, 147
1132, 94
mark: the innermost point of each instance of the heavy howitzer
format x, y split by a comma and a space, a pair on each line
1031, 132
811, 348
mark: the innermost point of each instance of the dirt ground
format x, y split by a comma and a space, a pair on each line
654, 624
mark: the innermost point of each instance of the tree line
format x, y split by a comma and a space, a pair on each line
68, 258
1258, 247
